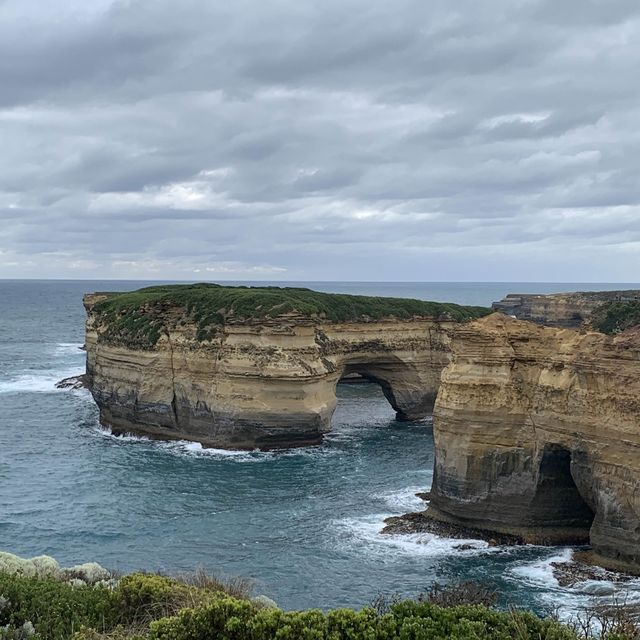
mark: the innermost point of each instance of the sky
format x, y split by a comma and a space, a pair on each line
410, 140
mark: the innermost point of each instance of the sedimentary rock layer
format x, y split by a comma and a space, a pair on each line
537, 434
264, 383
561, 309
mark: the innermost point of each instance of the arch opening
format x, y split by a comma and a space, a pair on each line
400, 385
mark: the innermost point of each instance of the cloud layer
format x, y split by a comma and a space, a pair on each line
342, 139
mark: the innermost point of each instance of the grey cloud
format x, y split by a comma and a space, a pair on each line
330, 139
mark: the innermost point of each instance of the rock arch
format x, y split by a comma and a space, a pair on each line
401, 382
262, 385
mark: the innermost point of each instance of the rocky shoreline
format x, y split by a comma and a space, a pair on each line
74, 382
421, 522
583, 567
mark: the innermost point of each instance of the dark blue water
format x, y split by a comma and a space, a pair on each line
304, 523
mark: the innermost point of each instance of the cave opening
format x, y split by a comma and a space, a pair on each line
558, 502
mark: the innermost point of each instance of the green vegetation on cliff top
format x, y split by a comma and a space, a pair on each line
137, 318
614, 317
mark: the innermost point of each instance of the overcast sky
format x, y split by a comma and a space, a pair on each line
422, 140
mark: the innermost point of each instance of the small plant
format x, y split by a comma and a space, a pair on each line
383, 603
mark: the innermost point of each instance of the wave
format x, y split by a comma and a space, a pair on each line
69, 348
570, 602
37, 381
404, 500
189, 449
105, 432
363, 535
186, 448
539, 573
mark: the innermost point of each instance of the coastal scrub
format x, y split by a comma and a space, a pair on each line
138, 318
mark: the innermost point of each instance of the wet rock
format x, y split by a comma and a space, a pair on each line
74, 382
580, 570
421, 522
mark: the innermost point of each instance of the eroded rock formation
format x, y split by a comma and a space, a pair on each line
537, 429
561, 309
267, 382
537, 434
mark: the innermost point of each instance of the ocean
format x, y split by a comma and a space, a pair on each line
303, 524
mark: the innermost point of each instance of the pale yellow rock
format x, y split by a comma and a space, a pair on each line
537, 433
266, 384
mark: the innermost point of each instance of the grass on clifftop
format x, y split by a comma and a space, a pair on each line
137, 318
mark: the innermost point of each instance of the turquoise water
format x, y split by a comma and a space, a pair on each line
303, 523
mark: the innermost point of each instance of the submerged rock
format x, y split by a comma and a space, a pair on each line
583, 569
421, 522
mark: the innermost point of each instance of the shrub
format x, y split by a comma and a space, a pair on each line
54, 608
154, 607
614, 317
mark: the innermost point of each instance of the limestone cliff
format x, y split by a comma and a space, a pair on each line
562, 309
155, 367
537, 433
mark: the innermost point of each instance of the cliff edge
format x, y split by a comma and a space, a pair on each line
537, 434
606, 311
256, 367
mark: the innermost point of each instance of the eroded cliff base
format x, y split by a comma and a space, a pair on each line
537, 434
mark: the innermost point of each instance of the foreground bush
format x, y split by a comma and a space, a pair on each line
231, 619
53, 608
153, 607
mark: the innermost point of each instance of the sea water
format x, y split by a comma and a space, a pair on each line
303, 524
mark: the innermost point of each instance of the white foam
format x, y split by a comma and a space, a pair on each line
571, 602
123, 437
183, 448
66, 348
404, 500
539, 573
195, 449
363, 535
37, 381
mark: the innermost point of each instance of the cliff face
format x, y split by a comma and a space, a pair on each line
265, 383
561, 309
537, 433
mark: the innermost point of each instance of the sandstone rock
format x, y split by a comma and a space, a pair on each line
537, 434
560, 309
261, 384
